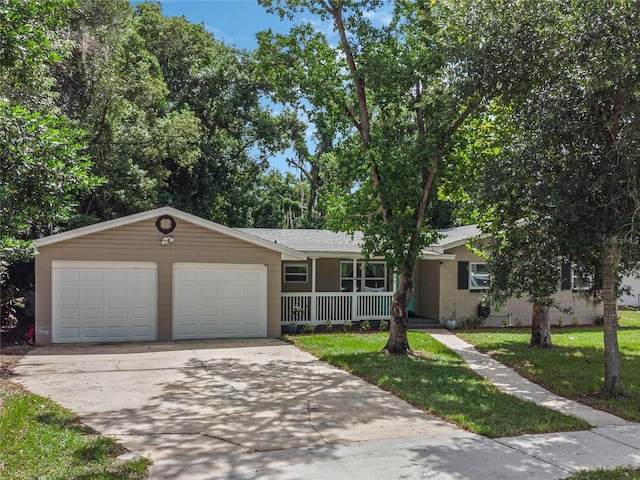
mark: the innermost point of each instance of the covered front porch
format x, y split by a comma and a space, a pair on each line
365, 292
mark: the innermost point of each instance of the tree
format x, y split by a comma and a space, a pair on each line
113, 87
314, 168
41, 164
393, 96
238, 131
575, 159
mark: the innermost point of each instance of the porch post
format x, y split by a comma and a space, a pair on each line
314, 303
354, 294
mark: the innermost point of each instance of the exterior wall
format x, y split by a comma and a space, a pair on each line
632, 299
466, 301
427, 289
140, 242
297, 287
327, 279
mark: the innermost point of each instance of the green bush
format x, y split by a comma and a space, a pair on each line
473, 321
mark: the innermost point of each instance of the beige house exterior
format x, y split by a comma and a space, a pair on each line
165, 275
134, 245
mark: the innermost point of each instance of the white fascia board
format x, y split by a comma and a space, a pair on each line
465, 241
439, 256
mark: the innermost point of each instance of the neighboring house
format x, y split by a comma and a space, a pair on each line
632, 297
166, 275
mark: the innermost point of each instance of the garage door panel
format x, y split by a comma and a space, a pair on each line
94, 332
210, 301
104, 301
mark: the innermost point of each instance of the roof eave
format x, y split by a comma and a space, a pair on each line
138, 217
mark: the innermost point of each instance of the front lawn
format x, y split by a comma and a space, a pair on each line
436, 380
39, 439
574, 367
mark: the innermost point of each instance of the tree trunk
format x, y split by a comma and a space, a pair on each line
398, 342
610, 262
540, 326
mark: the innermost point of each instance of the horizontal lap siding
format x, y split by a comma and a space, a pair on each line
140, 242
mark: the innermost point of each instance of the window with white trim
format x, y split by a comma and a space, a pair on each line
581, 279
369, 276
479, 278
295, 273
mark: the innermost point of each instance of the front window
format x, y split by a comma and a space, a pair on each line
580, 278
479, 278
370, 276
296, 273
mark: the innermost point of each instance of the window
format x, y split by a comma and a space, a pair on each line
580, 278
296, 273
479, 278
371, 276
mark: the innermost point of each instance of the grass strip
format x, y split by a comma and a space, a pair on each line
438, 381
39, 439
624, 473
574, 367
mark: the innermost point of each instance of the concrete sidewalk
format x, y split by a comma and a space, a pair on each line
510, 382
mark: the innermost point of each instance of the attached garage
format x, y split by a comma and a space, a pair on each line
219, 300
103, 301
160, 275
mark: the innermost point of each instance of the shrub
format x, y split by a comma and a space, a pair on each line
365, 325
518, 322
598, 320
327, 325
384, 325
575, 321
561, 322
308, 328
346, 326
473, 322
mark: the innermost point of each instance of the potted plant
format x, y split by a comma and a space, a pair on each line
296, 313
451, 317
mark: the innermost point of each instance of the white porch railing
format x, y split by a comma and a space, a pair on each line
318, 307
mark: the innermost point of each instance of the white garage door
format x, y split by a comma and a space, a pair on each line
103, 301
219, 300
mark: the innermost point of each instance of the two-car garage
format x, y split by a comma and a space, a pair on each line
130, 280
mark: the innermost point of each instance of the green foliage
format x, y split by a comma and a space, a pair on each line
438, 381
622, 473
237, 133
384, 325
572, 368
39, 439
365, 325
308, 328
41, 161
473, 321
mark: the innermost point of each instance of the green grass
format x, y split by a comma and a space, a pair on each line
574, 367
39, 439
625, 473
439, 382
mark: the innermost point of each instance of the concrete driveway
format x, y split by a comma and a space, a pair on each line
198, 398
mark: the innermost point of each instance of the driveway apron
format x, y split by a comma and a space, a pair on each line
193, 398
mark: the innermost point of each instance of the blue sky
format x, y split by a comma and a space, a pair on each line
235, 22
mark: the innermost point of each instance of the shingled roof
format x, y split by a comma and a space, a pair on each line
336, 244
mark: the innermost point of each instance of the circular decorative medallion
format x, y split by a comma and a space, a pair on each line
165, 224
